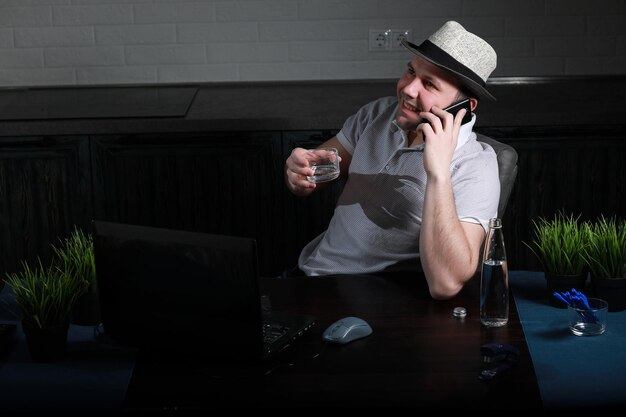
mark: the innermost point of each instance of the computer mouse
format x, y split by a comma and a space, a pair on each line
346, 330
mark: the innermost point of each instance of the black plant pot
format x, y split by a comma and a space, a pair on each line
611, 290
562, 283
48, 344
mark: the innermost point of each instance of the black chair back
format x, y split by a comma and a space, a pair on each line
507, 166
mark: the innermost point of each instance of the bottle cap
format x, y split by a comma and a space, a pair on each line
496, 222
459, 312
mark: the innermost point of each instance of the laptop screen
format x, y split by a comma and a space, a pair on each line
179, 292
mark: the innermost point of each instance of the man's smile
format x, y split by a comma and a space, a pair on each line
408, 106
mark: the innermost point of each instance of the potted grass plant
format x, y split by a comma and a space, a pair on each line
45, 297
76, 254
606, 257
559, 245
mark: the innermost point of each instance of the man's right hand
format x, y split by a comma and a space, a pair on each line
297, 167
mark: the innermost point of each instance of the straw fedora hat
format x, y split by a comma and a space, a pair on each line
468, 56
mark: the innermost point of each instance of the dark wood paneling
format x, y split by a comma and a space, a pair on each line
305, 217
45, 189
232, 183
225, 183
579, 170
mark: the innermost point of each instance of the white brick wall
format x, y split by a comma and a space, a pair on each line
71, 42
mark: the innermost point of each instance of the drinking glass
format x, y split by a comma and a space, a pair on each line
588, 322
325, 164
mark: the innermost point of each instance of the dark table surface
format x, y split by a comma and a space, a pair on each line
419, 356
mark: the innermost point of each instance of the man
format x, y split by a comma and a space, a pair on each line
420, 189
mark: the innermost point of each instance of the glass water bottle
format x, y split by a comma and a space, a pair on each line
494, 279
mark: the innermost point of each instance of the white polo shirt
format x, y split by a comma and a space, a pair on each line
378, 217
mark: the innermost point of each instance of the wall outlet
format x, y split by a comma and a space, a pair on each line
396, 36
379, 39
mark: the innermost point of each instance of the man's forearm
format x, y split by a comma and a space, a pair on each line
447, 257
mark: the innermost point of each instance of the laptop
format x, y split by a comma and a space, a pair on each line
186, 294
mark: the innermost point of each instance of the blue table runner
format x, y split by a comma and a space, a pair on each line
572, 371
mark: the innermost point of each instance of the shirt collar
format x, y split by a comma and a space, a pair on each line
466, 132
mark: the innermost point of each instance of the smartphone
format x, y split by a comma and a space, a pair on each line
463, 104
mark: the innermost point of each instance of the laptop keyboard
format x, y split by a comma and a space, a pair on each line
272, 332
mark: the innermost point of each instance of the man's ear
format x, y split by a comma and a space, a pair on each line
473, 103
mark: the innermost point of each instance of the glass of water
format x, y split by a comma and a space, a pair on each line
324, 163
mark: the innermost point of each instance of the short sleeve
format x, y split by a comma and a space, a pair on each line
356, 124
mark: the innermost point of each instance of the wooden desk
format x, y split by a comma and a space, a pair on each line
419, 356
